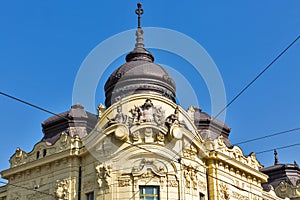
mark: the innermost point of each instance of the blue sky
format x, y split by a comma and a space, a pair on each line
43, 43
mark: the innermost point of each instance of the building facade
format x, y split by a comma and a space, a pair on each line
141, 145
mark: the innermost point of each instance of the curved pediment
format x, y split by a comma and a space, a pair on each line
235, 153
42, 150
140, 108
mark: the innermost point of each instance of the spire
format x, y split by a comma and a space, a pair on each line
276, 162
139, 32
139, 52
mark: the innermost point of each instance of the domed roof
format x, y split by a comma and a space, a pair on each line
139, 75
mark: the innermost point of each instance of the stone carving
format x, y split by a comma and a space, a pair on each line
190, 153
173, 183
284, 190
223, 191
148, 135
100, 110
147, 113
103, 172
136, 137
122, 132
136, 114
191, 177
160, 138
64, 142
124, 182
173, 119
149, 168
62, 189
119, 118
235, 153
19, 157
239, 196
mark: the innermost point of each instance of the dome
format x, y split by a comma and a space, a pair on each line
139, 75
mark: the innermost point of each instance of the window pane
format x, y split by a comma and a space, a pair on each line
149, 190
149, 193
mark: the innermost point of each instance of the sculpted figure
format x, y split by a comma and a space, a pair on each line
173, 119
103, 175
136, 114
119, 117
147, 113
62, 190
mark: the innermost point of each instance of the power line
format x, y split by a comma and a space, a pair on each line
234, 99
242, 142
267, 136
251, 82
240, 93
32, 105
256, 77
283, 147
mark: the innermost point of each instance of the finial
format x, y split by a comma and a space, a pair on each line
139, 11
276, 157
139, 52
295, 163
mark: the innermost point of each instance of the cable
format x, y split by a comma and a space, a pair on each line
266, 136
32, 105
236, 97
240, 93
255, 78
283, 147
251, 82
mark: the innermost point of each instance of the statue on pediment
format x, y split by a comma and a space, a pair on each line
19, 157
173, 119
147, 113
119, 118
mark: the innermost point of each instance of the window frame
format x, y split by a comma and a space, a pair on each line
155, 195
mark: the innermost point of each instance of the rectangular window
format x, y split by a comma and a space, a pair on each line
90, 196
149, 193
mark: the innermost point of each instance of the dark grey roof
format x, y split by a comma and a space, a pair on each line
288, 173
75, 117
204, 121
139, 75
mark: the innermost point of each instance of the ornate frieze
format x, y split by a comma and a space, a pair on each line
62, 191
239, 196
224, 191
284, 190
125, 181
234, 153
148, 168
18, 158
103, 172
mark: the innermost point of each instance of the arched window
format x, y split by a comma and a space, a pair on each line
44, 152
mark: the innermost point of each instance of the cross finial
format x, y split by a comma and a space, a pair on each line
139, 11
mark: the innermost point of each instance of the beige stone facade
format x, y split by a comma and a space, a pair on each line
142, 146
162, 148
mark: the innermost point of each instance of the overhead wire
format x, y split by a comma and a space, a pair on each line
32, 105
233, 100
